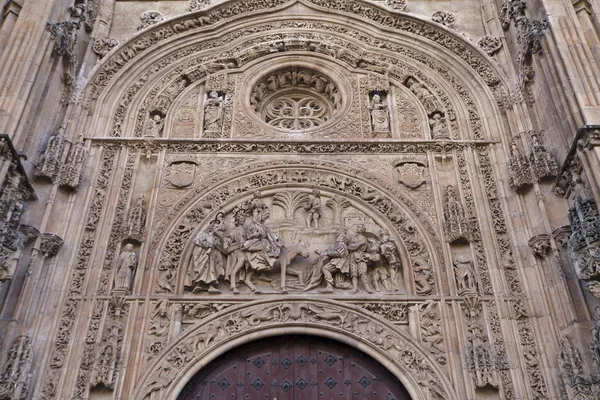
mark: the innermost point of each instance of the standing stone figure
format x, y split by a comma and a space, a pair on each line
334, 260
359, 258
154, 126
208, 259
213, 114
126, 264
390, 253
380, 121
313, 209
465, 276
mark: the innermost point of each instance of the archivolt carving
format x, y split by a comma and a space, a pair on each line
220, 197
227, 10
224, 330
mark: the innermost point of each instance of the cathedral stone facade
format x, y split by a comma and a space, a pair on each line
299, 199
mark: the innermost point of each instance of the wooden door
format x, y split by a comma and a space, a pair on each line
294, 368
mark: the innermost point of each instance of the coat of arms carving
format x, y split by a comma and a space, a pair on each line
411, 175
182, 174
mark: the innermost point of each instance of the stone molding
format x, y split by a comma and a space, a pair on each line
214, 335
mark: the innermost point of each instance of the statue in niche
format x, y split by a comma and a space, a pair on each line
208, 258
313, 209
213, 115
126, 264
465, 276
154, 126
439, 127
380, 117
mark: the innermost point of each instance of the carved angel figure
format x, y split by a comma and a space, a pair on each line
154, 126
439, 128
380, 120
126, 264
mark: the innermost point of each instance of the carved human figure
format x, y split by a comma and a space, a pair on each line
213, 112
334, 260
380, 119
359, 258
389, 251
207, 265
237, 238
126, 264
154, 126
465, 276
439, 128
313, 209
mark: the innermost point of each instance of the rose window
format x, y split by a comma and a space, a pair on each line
296, 112
296, 99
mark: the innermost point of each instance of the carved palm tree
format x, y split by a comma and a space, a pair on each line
338, 205
291, 202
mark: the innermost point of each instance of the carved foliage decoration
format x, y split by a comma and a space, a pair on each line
149, 18
490, 44
233, 323
104, 46
231, 9
15, 376
445, 18
585, 237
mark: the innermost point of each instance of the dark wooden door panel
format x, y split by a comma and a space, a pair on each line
294, 368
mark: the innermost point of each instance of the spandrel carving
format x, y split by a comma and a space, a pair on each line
290, 242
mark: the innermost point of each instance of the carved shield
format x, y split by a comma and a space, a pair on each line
182, 174
412, 175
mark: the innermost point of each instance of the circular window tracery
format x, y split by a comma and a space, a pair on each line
296, 111
296, 99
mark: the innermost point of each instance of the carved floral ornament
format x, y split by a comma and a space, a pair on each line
231, 9
231, 327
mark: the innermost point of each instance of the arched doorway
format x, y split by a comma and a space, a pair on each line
294, 368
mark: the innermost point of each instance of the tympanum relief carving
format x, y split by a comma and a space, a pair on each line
293, 240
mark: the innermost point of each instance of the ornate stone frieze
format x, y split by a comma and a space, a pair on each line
64, 36
432, 334
457, 226
236, 322
70, 173
71, 307
108, 361
50, 245
119, 230
149, 18
519, 168
585, 237
445, 18
49, 163
490, 44
543, 162
398, 5
396, 313
540, 245
16, 375
104, 45
197, 5
232, 9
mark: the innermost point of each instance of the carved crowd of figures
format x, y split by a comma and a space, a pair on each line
250, 250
